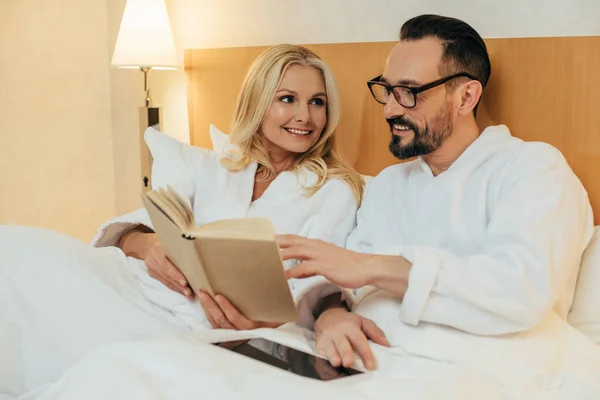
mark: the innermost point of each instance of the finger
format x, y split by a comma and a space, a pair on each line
300, 252
374, 333
305, 269
233, 315
212, 321
162, 279
345, 351
211, 308
289, 240
158, 275
171, 286
170, 273
175, 274
190, 293
332, 354
360, 343
183, 289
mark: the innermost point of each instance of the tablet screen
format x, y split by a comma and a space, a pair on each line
291, 360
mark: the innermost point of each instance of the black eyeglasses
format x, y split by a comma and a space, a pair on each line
406, 96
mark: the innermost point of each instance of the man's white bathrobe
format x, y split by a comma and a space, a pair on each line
61, 298
495, 244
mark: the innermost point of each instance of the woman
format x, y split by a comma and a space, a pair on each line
282, 165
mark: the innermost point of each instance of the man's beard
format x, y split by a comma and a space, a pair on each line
425, 139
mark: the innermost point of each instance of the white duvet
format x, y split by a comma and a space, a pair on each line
101, 339
185, 367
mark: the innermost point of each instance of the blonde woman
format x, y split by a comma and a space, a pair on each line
282, 165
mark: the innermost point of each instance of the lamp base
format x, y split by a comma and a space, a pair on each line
149, 117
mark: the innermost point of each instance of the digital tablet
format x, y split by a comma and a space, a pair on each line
289, 359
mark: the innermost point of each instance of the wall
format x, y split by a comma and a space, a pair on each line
225, 23
126, 96
56, 163
229, 23
69, 148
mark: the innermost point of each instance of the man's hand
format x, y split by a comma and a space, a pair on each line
343, 267
339, 333
223, 315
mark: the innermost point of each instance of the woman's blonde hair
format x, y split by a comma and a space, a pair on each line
254, 101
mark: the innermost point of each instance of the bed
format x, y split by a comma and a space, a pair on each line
542, 88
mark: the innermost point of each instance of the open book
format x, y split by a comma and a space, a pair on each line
237, 258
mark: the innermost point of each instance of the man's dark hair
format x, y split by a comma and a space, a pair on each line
463, 49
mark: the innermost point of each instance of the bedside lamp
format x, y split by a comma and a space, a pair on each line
145, 42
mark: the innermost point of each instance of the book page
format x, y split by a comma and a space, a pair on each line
157, 202
168, 208
175, 206
183, 205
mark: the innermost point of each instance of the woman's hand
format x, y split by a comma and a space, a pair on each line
162, 269
223, 315
147, 247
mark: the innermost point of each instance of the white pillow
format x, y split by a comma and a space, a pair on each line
220, 140
585, 312
171, 157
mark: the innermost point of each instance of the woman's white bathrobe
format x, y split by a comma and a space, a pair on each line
61, 298
215, 193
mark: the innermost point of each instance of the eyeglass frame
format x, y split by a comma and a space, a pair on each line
414, 90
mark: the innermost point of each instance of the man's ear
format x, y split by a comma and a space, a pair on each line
470, 94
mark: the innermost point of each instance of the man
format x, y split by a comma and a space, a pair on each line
482, 232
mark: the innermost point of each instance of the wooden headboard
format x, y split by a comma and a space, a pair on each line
543, 89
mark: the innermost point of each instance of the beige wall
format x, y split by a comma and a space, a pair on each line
56, 156
127, 96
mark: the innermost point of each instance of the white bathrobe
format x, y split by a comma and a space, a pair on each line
495, 244
216, 193
61, 298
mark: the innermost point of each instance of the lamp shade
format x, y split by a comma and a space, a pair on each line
145, 38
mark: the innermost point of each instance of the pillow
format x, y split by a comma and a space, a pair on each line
585, 311
171, 157
220, 140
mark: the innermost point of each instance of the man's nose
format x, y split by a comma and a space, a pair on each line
392, 108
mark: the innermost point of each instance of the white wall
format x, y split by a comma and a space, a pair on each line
224, 23
56, 162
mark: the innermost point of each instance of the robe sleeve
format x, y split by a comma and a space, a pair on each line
332, 223
538, 229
